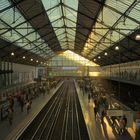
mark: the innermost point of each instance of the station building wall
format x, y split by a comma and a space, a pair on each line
125, 71
21, 74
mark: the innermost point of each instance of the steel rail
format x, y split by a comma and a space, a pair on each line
67, 115
72, 113
51, 130
77, 116
64, 121
51, 109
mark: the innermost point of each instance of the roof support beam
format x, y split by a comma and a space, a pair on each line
29, 34
116, 23
118, 12
63, 15
28, 20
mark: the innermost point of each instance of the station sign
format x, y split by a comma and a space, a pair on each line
114, 112
119, 113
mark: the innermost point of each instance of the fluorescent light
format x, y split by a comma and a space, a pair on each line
36, 61
12, 54
137, 37
23, 57
99, 57
31, 59
105, 53
116, 48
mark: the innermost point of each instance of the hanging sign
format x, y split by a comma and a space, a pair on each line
114, 112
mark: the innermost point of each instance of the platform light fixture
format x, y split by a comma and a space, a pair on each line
36, 61
117, 48
23, 57
137, 37
106, 53
31, 59
99, 57
12, 54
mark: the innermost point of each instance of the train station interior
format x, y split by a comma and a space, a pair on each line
69, 69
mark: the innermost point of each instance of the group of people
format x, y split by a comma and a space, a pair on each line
122, 124
24, 98
101, 105
10, 109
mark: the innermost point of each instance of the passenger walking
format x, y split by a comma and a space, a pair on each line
95, 111
28, 105
113, 118
21, 102
122, 124
125, 123
10, 116
43, 90
95, 107
89, 97
48, 90
137, 134
11, 102
103, 114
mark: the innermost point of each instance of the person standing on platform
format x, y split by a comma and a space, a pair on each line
89, 97
11, 102
137, 134
122, 126
103, 114
125, 123
44, 90
10, 115
21, 102
95, 107
28, 105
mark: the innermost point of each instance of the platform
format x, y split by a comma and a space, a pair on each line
97, 130
21, 119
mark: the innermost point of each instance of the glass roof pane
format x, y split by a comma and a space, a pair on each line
135, 14
114, 9
49, 3
60, 31
70, 59
31, 37
11, 36
106, 14
54, 14
100, 28
23, 33
117, 4
2, 28
57, 12
58, 23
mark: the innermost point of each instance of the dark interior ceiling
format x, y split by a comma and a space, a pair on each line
39, 29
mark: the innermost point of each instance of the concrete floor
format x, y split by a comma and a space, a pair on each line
22, 119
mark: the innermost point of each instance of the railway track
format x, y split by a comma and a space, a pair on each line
60, 119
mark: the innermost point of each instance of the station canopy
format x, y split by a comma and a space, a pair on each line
103, 31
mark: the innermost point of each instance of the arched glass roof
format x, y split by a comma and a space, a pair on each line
89, 28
